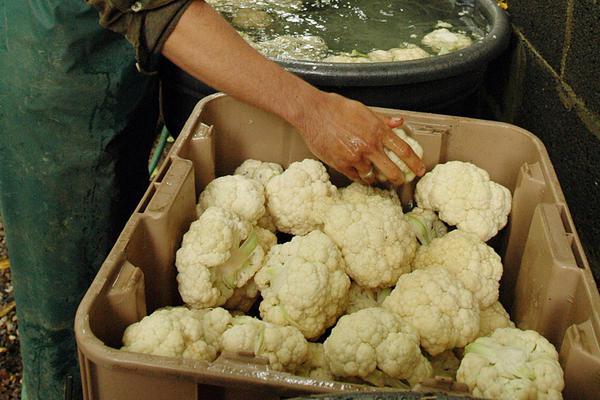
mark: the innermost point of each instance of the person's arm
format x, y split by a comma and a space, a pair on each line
343, 133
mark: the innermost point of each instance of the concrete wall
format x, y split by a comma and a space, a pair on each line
548, 82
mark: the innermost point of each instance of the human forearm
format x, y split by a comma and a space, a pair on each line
208, 48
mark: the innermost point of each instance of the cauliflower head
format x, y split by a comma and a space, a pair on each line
512, 364
464, 196
360, 298
470, 260
236, 193
426, 225
374, 341
178, 332
377, 243
262, 172
297, 198
259, 170
303, 284
220, 252
408, 52
442, 310
315, 366
492, 318
443, 41
284, 346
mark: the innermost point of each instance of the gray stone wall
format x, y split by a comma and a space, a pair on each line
548, 82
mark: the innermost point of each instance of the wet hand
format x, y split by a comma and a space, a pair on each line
351, 138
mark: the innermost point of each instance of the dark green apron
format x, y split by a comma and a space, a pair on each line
76, 126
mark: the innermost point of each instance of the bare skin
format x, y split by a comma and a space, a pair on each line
343, 133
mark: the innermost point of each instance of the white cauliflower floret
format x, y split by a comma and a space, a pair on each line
464, 195
358, 193
284, 346
377, 243
262, 172
426, 225
238, 194
380, 56
408, 52
444, 313
360, 298
303, 284
373, 341
512, 364
259, 170
219, 253
178, 332
443, 41
470, 260
315, 366
445, 364
297, 198
492, 318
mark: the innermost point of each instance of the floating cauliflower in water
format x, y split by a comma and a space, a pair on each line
307, 47
178, 332
303, 284
463, 195
512, 364
443, 41
247, 18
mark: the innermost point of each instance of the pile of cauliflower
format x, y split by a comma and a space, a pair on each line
362, 292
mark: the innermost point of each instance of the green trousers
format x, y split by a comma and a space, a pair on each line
76, 125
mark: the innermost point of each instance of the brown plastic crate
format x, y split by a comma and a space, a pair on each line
547, 283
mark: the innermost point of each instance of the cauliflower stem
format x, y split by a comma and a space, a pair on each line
238, 260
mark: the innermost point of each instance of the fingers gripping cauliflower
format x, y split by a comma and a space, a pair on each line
219, 253
377, 243
374, 341
512, 364
262, 172
284, 346
464, 196
296, 198
409, 175
492, 318
426, 225
236, 193
178, 332
444, 313
303, 284
470, 260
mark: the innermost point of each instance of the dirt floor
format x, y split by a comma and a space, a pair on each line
10, 362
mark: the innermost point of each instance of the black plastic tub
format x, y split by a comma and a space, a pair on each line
441, 84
